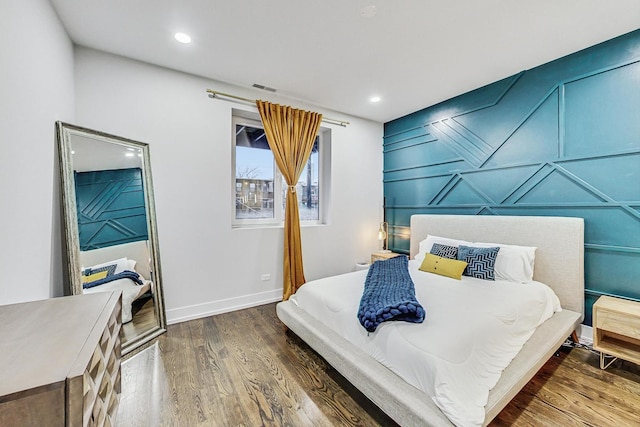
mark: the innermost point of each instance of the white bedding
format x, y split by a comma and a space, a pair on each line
473, 329
130, 292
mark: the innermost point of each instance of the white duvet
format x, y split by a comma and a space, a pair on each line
131, 291
472, 331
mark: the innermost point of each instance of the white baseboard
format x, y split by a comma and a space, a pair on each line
585, 334
182, 314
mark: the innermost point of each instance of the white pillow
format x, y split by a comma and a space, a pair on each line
122, 264
129, 264
426, 245
513, 263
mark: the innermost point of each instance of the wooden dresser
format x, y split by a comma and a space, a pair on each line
60, 361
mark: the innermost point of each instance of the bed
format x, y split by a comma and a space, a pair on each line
559, 264
125, 257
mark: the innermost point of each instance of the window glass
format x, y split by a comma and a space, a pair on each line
260, 189
254, 174
307, 188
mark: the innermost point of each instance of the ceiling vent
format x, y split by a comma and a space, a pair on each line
263, 87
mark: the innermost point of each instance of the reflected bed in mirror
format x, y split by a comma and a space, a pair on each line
110, 226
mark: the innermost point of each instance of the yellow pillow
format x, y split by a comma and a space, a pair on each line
95, 276
443, 266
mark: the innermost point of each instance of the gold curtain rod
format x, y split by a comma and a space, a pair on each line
216, 94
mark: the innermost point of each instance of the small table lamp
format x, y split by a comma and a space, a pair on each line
383, 233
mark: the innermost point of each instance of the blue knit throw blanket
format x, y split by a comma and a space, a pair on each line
126, 274
389, 294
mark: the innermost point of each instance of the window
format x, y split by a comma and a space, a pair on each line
260, 189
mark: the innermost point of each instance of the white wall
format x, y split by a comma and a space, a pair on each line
207, 266
36, 81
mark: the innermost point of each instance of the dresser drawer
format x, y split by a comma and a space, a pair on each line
618, 323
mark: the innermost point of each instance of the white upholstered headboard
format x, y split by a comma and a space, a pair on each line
559, 259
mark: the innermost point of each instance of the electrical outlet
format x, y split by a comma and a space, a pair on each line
265, 277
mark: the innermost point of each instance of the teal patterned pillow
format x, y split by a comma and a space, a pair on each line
110, 269
481, 261
444, 251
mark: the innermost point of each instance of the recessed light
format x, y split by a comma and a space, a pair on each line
375, 99
129, 154
368, 11
182, 37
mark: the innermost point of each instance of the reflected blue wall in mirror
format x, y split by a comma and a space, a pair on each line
111, 208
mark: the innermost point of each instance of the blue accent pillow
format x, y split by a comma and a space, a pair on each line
444, 251
480, 261
110, 269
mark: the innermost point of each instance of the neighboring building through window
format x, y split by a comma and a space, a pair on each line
260, 188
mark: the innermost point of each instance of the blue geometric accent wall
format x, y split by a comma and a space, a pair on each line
111, 208
562, 139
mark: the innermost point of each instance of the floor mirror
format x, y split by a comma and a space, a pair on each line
110, 226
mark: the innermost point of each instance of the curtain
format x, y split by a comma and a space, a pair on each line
291, 134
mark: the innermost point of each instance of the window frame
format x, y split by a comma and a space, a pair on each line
278, 182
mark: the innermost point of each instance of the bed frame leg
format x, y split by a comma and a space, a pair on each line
574, 337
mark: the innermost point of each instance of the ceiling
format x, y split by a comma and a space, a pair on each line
411, 53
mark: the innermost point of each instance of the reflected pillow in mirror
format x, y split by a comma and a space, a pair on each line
129, 264
109, 270
121, 264
93, 276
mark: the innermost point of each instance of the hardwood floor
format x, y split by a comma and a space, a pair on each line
242, 369
144, 318
572, 390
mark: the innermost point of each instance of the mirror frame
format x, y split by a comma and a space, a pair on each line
64, 131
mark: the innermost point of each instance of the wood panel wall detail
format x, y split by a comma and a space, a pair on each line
562, 139
111, 208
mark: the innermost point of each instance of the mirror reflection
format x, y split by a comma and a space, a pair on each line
110, 226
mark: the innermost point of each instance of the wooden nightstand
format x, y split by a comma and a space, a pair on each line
616, 329
377, 256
